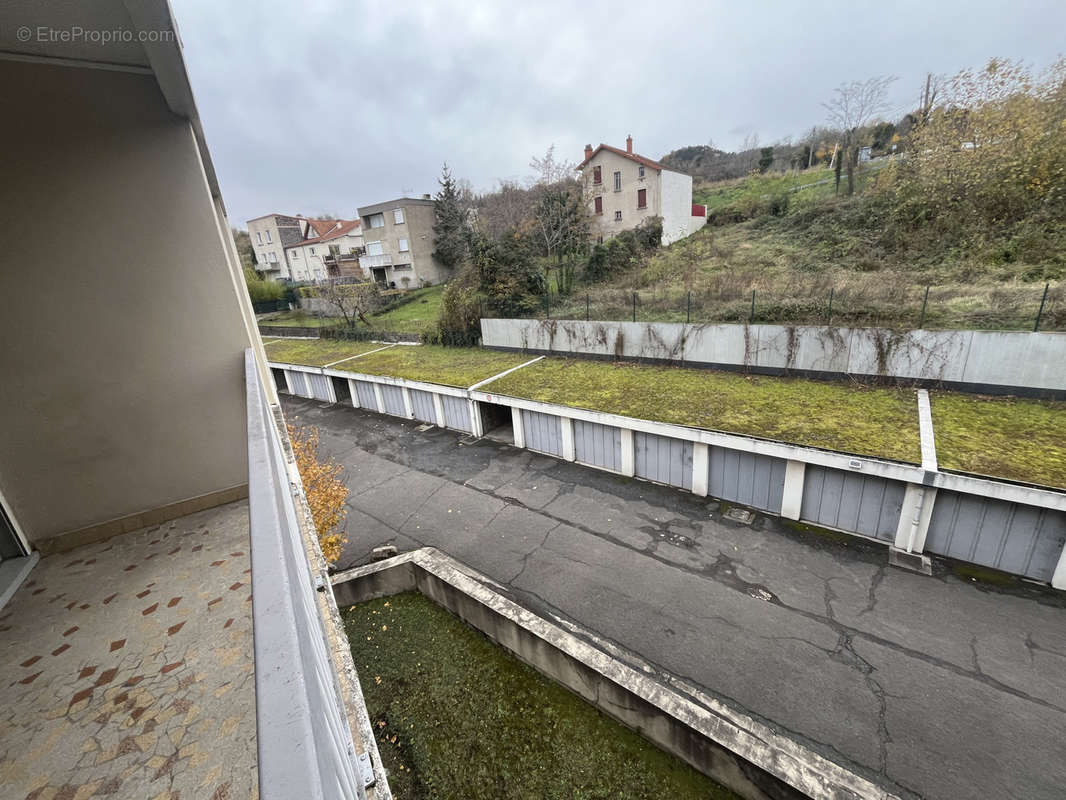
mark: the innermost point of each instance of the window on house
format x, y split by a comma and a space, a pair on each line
617, 216
597, 176
377, 220
640, 172
403, 246
618, 181
259, 237
598, 203
269, 240
374, 249
599, 239
642, 198
272, 257
397, 216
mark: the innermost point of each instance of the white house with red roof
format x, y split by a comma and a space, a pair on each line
623, 189
330, 249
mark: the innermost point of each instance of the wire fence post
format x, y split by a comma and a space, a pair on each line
829, 316
634, 306
548, 304
587, 305
688, 309
751, 318
1040, 313
925, 303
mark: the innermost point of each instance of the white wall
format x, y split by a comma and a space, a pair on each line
121, 377
676, 205
997, 358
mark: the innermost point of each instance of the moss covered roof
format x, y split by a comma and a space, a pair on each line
315, 352
450, 366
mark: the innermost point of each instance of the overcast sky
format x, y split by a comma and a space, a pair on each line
322, 106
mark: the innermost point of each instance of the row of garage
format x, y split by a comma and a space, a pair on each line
1022, 539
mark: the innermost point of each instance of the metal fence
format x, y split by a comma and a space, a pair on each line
304, 741
869, 303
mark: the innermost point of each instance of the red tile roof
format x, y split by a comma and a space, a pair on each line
647, 162
322, 226
346, 227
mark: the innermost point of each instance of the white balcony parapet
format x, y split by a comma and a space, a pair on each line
382, 260
304, 740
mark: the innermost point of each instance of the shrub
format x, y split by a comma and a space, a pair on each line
326, 493
261, 291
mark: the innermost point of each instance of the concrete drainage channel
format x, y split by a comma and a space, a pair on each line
729, 747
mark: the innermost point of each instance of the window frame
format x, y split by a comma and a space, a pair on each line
269, 240
398, 217
403, 245
618, 180
597, 176
640, 172
597, 205
618, 216
378, 216
642, 194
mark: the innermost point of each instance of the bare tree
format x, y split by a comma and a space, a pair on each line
854, 105
934, 85
548, 171
352, 300
508, 208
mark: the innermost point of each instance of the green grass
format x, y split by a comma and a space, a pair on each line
724, 193
455, 715
1002, 437
415, 316
315, 352
879, 422
451, 366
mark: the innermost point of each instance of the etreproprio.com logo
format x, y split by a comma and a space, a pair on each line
101, 36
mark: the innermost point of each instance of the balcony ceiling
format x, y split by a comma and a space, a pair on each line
57, 17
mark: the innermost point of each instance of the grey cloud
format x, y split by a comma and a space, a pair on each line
324, 106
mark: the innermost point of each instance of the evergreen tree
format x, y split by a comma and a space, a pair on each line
449, 229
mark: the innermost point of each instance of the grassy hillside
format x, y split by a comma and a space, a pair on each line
792, 241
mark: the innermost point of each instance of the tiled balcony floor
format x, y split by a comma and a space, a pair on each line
126, 668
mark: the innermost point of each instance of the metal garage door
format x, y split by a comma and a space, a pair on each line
598, 445
456, 413
662, 459
1021, 539
297, 382
543, 432
852, 502
752, 480
392, 398
422, 405
319, 386
364, 390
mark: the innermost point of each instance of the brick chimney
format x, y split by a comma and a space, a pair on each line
629, 145
588, 152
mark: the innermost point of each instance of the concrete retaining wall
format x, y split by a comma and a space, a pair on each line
991, 361
728, 746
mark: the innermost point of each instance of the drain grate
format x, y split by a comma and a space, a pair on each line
741, 515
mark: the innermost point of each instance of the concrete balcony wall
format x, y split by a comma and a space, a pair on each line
121, 387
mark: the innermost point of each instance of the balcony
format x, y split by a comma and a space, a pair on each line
194, 657
381, 260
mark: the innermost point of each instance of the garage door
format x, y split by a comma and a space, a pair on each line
364, 390
752, 480
598, 445
663, 459
543, 432
422, 405
392, 397
852, 502
319, 386
456, 413
297, 382
1024, 540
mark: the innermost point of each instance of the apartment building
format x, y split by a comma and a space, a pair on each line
623, 189
331, 250
270, 235
398, 237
